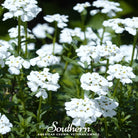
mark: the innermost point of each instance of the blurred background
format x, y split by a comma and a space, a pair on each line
130, 9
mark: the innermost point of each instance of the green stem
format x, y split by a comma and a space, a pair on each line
115, 90
39, 110
50, 97
134, 46
1, 135
101, 42
19, 36
26, 50
107, 65
93, 95
106, 128
54, 38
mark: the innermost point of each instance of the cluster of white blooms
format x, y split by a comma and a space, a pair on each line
48, 49
16, 63
107, 7
40, 30
80, 7
119, 25
45, 58
60, 19
5, 125
39, 81
123, 73
4, 54
107, 106
83, 111
95, 83
26, 9
66, 35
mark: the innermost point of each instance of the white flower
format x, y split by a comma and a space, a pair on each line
80, 7
39, 81
60, 19
83, 111
123, 73
107, 106
41, 92
40, 30
5, 125
26, 9
4, 47
16, 63
95, 83
108, 7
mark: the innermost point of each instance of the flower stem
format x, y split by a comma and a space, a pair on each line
134, 46
102, 36
54, 38
39, 110
106, 128
50, 97
26, 50
115, 90
1, 135
19, 35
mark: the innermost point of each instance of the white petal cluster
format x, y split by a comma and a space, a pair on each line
107, 106
48, 49
44, 58
16, 63
67, 34
13, 32
95, 83
87, 54
83, 111
123, 73
80, 7
119, 25
107, 7
60, 19
40, 30
26, 9
5, 125
39, 81
4, 54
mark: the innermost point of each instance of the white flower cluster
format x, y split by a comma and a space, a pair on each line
123, 73
39, 81
95, 83
90, 53
82, 111
26, 9
5, 125
4, 54
80, 7
16, 63
107, 106
86, 111
45, 58
40, 30
119, 25
107, 7
60, 19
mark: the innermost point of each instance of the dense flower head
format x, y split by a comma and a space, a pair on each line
80, 7
5, 125
107, 7
107, 106
16, 63
60, 19
95, 83
26, 9
123, 73
67, 35
40, 30
39, 81
4, 47
83, 111
120, 25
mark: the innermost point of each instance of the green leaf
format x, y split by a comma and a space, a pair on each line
70, 60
